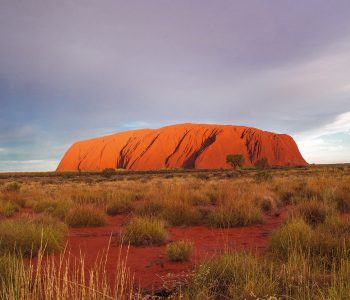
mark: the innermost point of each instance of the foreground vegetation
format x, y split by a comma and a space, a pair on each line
308, 257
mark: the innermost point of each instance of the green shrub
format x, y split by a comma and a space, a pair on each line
200, 198
12, 187
151, 208
342, 200
179, 250
235, 214
235, 160
287, 197
202, 176
312, 211
119, 206
233, 276
327, 244
58, 209
266, 203
108, 172
7, 209
28, 235
181, 214
263, 176
294, 234
144, 231
262, 163
85, 217
212, 196
306, 191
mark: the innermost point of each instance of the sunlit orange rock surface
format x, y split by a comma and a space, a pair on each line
200, 146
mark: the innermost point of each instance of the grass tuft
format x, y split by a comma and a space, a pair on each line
7, 208
12, 187
142, 231
28, 235
150, 208
85, 217
232, 276
119, 206
313, 212
235, 214
179, 250
181, 214
58, 209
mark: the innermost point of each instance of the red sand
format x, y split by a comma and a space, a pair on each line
200, 146
149, 265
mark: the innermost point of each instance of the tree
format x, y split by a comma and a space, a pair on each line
108, 172
235, 160
262, 163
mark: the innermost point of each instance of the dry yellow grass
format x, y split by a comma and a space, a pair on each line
299, 262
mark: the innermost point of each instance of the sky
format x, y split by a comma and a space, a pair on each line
71, 70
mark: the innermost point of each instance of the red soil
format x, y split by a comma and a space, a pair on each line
199, 146
148, 264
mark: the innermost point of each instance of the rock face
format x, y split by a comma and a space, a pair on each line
200, 146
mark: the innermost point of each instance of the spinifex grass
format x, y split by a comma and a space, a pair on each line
50, 278
7, 208
26, 236
85, 217
179, 250
235, 214
144, 231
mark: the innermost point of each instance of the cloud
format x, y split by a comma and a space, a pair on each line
329, 143
114, 65
27, 165
341, 124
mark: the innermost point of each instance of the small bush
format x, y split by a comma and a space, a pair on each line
150, 208
27, 236
181, 214
144, 231
85, 217
200, 198
342, 200
294, 234
119, 206
235, 160
202, 176
58, 209
212, 196
179, 250
235, 214
233, 276
7, 209
263, 176
267, 203
306, 191
12, 187
108, 172
336, 225
287, 197
262, 163
312, 211
326, 243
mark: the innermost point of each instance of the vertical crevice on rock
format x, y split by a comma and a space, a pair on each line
190, 162
176, 148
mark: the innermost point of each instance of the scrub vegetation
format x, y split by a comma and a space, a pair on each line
306, 257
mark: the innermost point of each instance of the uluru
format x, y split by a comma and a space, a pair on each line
188, 146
